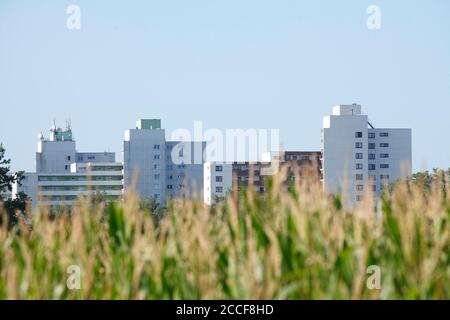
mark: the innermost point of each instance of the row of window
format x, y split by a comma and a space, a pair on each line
359, 145
360, 176
371, 135
73, 198
170, 186
106, 168
372, 166
290, 157
360, 187
180, 176
173, 166
81, 158
80, 188
372, 156
80, 178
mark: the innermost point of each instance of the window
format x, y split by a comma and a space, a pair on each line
384, 145
359, 187
358, 198
384, 177
156, 157
371, 135
170, 187
384, 155
384, 166
359, 166
374, 188
358, 145
358, 134
68, 158
372, 167
371, 156
219, 189
66, 167
359, 176
384, 134
219, 168
359, 156
156, 147
219, 179
156, 176
371, 145
372, 177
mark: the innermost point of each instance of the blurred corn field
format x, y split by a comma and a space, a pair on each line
288, 243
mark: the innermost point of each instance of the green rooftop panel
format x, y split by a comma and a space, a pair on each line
148, 124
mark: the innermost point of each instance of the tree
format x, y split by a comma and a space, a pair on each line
429, 180
7, 179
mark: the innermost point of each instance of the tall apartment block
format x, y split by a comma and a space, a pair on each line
150, 166
357, 156
62, 173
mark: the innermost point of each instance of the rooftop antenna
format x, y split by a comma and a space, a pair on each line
69, 125
53, 128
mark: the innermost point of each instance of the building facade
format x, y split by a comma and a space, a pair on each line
62, 174
63, 189
218, 181
160, 169
220, 178
359, 158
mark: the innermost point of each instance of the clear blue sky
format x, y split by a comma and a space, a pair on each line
232, 64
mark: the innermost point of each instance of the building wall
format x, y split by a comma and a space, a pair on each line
218, 181
398, 152
346, 143
55, 156
144, 163
95, 157
239, 175
303, 164
162, 169
63, 173
186, 178
64, 188
340, 164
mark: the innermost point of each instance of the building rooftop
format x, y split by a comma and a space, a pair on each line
148, 124
347, 110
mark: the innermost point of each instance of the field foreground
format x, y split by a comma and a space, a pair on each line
286, 244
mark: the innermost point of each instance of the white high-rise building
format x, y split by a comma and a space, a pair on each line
358, 157
150, 167
62, 173
56, 154
144, 155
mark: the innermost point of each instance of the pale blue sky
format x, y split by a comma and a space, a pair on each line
232, 64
